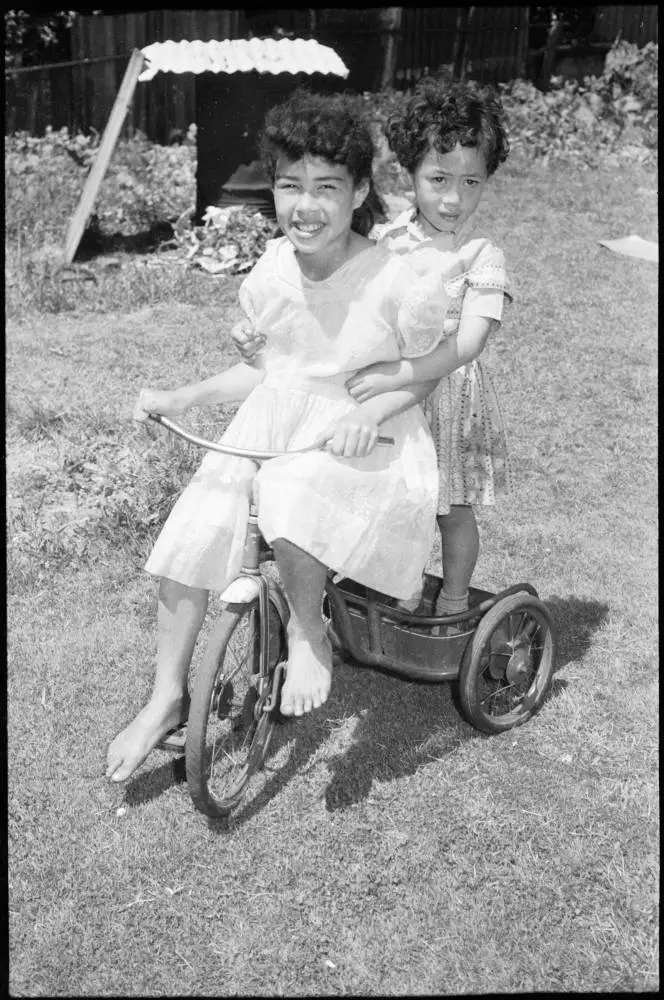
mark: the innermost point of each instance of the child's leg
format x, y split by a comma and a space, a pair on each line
309, 673
461, 543
179, 618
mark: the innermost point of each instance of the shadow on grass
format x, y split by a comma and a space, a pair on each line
575, 620
397, 726
94, 243
402, 724
387, 728
148, 785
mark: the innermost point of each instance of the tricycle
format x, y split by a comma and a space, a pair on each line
499, 653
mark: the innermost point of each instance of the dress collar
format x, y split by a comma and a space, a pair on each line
445, 241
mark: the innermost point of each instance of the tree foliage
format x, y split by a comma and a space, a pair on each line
577, 24
33, 38
611, 117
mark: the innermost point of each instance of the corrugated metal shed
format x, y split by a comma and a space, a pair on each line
239, 55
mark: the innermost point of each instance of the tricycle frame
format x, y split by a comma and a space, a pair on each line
416, 651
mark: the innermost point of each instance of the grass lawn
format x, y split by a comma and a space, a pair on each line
387, 848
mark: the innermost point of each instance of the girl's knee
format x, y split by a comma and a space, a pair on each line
171, 593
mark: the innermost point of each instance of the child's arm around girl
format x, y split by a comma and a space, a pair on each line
459, 349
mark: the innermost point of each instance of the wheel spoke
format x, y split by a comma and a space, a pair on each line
239, 664
524, 616
502, 691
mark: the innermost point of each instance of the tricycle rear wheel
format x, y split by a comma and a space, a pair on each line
507, 668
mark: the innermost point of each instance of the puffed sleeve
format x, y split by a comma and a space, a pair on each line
246, 298
422, 311
482, 282
253, 290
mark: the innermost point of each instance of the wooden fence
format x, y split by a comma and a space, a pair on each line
79, 95
637, 23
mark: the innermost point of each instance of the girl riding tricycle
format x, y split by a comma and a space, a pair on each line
332, 503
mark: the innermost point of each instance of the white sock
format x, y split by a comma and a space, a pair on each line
448, 605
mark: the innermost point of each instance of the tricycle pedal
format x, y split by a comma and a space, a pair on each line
174, 740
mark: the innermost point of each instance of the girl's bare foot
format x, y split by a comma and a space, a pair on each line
308, 675
130, 747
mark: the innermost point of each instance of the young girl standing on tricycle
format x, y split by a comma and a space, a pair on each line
451, 138
329, 301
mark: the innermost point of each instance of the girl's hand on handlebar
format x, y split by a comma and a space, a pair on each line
353, 436
167, 404
247, 341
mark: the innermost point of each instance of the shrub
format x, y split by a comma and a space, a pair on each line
634, 71
613, 116
149, 183
230, 240
145, 183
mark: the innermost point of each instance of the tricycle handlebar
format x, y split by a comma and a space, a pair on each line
228, 449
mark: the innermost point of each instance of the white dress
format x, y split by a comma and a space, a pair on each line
371, 519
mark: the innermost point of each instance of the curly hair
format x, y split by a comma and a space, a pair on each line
332, 126
442, 114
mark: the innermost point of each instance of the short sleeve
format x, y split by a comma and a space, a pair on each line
483, 302
488, 272
422, 313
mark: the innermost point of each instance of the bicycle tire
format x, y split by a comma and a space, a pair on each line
226, 743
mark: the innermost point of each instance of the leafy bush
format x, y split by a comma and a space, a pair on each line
634, 71
613, 116
145, 183
230, 240
149, 183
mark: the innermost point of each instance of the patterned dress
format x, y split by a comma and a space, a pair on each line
371, 519
463, 411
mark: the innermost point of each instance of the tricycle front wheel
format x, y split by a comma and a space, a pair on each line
228, 731
508, 665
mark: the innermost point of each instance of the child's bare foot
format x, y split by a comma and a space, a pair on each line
130, 747
308, 675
